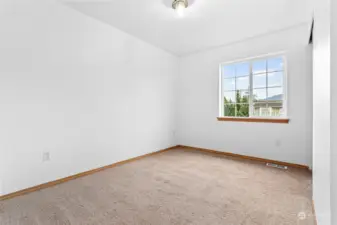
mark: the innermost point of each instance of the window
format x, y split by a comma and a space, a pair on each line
253, 88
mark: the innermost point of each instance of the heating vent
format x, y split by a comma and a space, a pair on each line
277, 166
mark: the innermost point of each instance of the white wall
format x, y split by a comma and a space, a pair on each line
198, 102
334, 110
79, 89
321, 112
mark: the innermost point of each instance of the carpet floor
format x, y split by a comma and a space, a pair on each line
179, 187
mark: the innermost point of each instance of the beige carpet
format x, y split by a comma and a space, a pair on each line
176, 187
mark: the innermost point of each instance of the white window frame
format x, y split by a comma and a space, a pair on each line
251, 105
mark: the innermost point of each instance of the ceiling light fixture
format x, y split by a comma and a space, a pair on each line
179, 6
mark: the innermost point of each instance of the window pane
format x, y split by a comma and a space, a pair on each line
228, 71
260, 81
259, 66
275, 101
242, 96
242, 83
260, 95
242, 110
270, 109
275, 79
242, 69
261, 109
229, 97
229, 110
229, 84
275, 64
275, 108
275, 94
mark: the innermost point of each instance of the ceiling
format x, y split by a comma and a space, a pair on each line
206, 24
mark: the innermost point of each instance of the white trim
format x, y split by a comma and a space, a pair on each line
220, 95
285, 85
251, 85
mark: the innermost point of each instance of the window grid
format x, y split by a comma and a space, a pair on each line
251, 102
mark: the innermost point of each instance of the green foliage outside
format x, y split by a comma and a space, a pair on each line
240, 108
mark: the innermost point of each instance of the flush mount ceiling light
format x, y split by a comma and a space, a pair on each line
179, 6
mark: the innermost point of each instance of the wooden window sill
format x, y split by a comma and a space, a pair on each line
254, 120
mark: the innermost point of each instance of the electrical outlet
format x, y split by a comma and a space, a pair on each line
45, 156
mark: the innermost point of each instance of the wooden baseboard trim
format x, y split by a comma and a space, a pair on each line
245, 157
66, 179
254, 120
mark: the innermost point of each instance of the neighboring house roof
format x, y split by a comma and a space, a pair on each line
275, 98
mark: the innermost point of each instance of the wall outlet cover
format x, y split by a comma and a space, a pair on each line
45, 156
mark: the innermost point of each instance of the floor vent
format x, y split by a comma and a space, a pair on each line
277, 166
